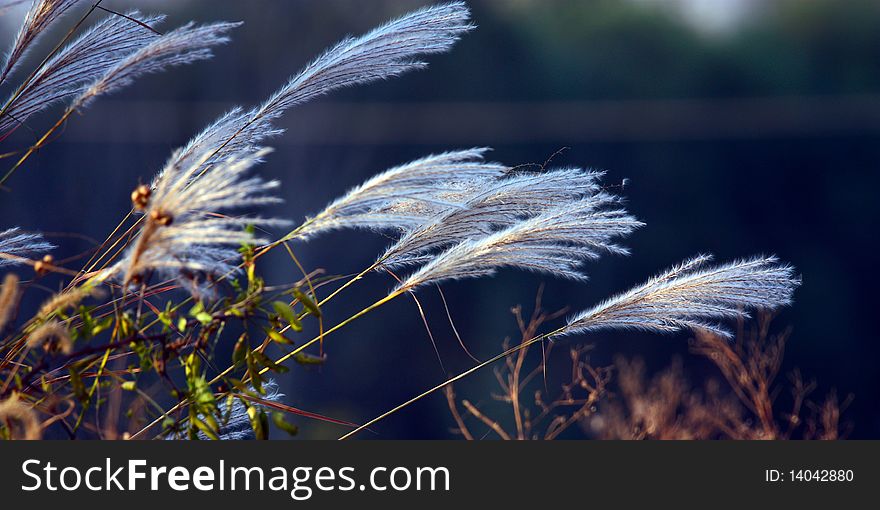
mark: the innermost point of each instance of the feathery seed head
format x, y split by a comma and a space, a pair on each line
68, 299
409, 195
52, 336
187, 230
494, 205
16, 245
688, 297
13, 409
557, 242
8, 299
184, 45
79, 63
42, 15
385, 52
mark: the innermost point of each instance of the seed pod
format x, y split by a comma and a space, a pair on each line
43, 266
140, 197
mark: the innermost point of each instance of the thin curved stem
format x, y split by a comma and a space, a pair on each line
446, 383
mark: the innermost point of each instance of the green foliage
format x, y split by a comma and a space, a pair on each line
281, 422
284, 311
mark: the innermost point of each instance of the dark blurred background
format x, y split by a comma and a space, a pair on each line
743, 126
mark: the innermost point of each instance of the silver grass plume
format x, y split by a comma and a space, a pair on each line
42, 15
689, 296
79, 63
556, 241
15, 244
408, 196
184, 45
187, 231
494, 206
387, 51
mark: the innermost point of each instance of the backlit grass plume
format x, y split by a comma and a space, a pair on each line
184, 45
387, 51
41, 16
493, 206
186, 231
82, 61
15, 245
689, 296
556, 241
408, 196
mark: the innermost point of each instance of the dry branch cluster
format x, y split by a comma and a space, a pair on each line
624, 401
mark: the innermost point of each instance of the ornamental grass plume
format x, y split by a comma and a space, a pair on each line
82, 61
493, 206
556, 242
39, 18
186, 231
408, 196
688, 296
385, 52
16, 245
184, 45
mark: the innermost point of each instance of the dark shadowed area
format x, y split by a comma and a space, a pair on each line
742, 127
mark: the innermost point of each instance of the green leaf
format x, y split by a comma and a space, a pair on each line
254, 372
239, 352
205, 428
202, 395
277, 337
129, 385
165, 318
101, 326
286, 312
307, 302
259, 422
76, 383
243, 388
126, 326
144, 353
196, 309
204, 317
309, 359
281, 423
267, 362
191, 364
